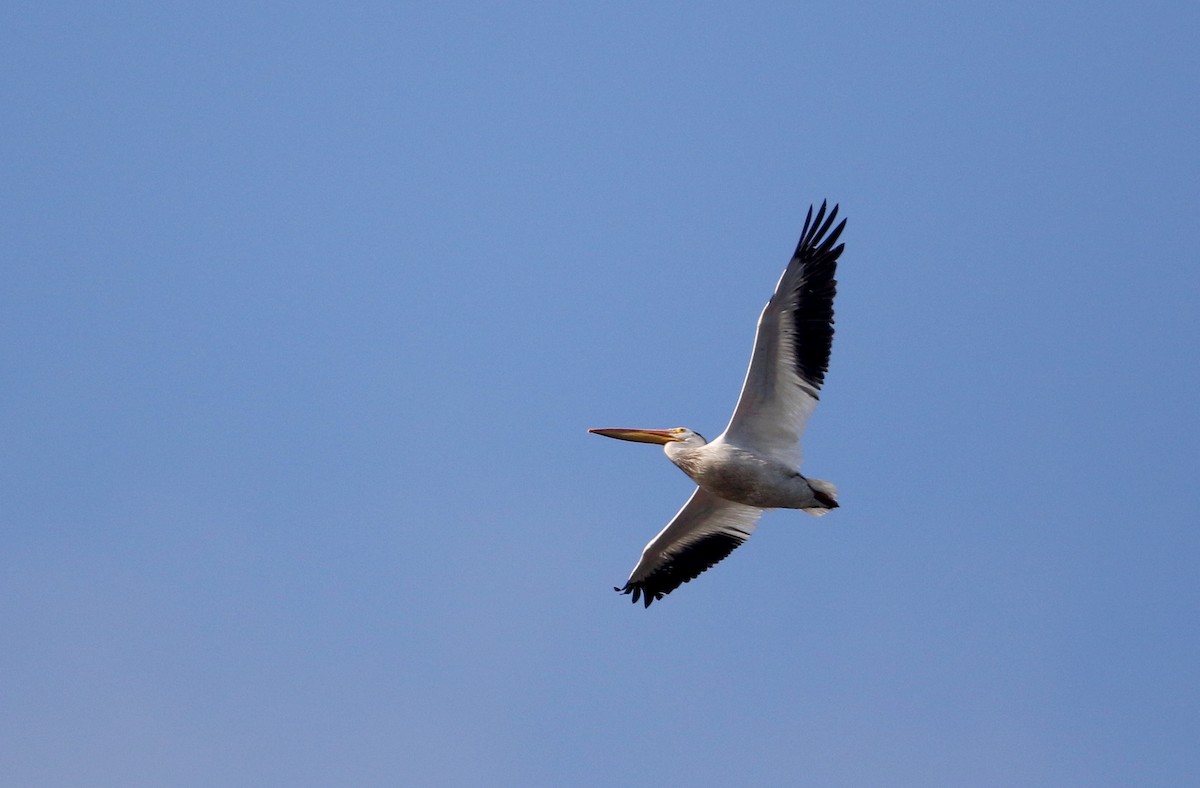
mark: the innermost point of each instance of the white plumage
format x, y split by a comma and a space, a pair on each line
753, 465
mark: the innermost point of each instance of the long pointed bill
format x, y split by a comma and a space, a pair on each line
639, 436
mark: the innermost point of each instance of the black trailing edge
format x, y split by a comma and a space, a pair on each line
687, 565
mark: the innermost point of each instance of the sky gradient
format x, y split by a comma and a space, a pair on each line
307, 310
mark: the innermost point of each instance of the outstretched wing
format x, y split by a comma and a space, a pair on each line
704, 531
791, 348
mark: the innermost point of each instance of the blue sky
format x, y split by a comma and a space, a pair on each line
307, 310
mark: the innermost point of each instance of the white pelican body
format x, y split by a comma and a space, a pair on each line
746, 476
752, 465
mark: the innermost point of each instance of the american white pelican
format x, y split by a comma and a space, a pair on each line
752, 465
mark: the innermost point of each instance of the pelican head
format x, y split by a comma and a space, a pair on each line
674, 435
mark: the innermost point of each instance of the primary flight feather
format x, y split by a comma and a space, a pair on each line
752, 465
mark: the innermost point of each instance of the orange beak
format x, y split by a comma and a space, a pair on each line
638, 436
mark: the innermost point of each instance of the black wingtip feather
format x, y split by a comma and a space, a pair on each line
808, 223
828, 223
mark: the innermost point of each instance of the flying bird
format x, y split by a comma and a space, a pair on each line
752, 465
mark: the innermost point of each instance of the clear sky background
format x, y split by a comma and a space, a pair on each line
306, 310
